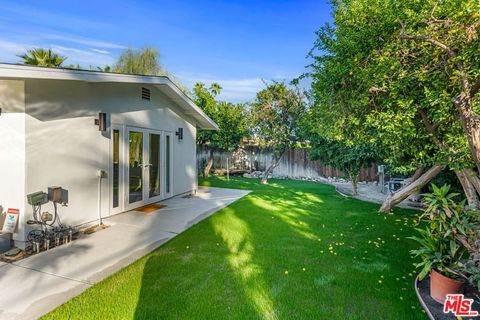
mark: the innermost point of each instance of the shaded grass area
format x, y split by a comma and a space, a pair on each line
288, 250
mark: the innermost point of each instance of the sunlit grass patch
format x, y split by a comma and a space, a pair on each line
288, 250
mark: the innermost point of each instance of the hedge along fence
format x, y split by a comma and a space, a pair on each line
294, 164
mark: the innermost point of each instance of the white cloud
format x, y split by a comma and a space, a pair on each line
85, 57
100, 51
84, 41
9, 50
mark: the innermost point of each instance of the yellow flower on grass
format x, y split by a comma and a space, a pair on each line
188, 247
304, 269
286, 272
379, 281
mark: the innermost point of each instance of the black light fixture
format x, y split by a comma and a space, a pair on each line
101, 122
179, 133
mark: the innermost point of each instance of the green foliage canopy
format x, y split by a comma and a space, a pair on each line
349, 159
276, 116
42, 57
231, 119
370, 83
144, 61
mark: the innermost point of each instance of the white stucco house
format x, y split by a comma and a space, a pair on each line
48, 137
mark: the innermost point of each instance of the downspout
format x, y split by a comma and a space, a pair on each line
100, 174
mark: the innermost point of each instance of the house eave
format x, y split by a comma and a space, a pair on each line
163, 83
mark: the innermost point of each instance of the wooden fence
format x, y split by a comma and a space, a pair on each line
294, 164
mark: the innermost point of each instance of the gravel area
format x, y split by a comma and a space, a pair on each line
368, 192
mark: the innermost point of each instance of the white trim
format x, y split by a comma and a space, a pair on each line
165, 193
13, 71
121, 173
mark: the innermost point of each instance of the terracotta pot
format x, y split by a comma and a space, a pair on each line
440, 286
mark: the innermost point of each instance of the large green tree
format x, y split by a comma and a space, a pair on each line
42, 57
276, 116
145, 61
381, 75
350, 159
231, 119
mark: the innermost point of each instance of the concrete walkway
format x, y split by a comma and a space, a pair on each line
35, 285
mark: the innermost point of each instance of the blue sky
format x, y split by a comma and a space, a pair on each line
234, 43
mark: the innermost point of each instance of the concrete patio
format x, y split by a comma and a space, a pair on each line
35, 285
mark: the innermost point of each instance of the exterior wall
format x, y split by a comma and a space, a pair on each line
12, 149
64, 147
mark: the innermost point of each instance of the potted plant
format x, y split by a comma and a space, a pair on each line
447, 243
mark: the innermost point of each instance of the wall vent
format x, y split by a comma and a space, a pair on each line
146, 94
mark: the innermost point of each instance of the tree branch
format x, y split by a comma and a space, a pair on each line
475, 88
431, 127
451, 53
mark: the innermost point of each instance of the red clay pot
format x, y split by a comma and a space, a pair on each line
440, 286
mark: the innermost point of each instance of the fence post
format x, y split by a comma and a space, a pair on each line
228, 172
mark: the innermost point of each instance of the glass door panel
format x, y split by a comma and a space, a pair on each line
154, 165
116, 169
168, 165
135, 164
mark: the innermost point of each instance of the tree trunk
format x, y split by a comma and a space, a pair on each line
468, 189
273, 165
473, 178
208, 166
417, 174
470, 124
354, 180
406, 191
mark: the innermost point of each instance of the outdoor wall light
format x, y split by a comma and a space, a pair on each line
101, 122
179, 133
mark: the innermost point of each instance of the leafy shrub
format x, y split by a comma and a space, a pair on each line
450, 241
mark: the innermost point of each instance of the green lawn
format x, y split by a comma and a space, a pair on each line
289, 250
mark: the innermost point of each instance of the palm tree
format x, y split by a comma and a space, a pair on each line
42, 57
215, 88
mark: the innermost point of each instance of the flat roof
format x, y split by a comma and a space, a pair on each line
167, 86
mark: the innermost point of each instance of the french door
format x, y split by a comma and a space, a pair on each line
141, 167
167, 160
